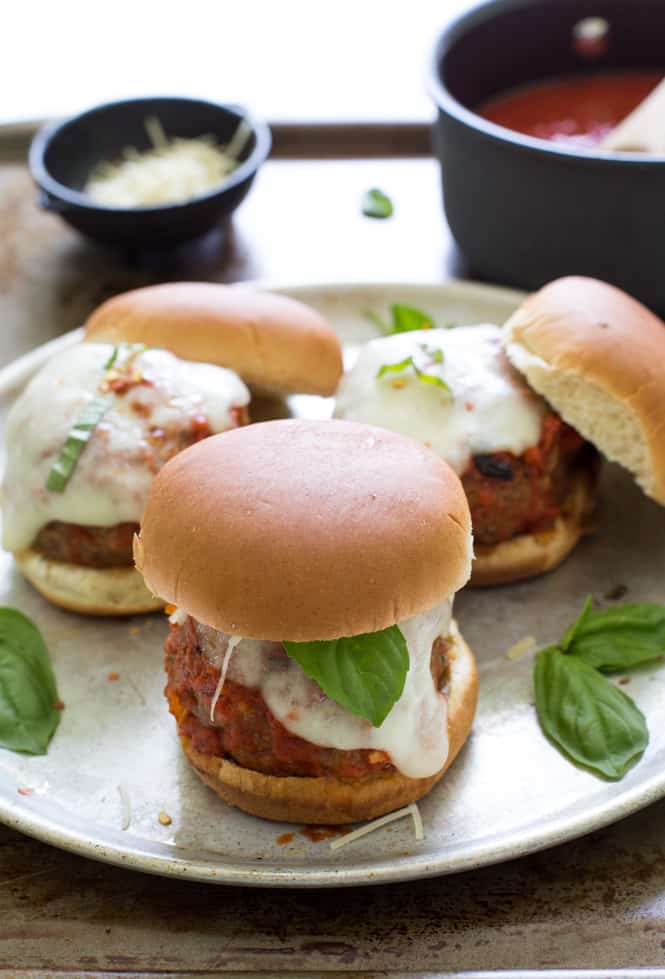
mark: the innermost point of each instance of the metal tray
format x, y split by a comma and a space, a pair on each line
115, 760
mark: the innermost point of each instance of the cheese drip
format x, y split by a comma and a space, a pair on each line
489, 407
415, 732
113, 475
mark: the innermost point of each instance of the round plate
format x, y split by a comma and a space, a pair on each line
115, 765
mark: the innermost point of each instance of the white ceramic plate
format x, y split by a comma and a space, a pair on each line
115, 760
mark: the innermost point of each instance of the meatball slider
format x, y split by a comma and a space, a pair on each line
276, 344
314, 670
84, 441
529, 478
598, 356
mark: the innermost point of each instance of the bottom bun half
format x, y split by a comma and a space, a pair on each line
529, 555
328, 800
90, 591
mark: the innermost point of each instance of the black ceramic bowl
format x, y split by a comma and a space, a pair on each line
523, 210
63, 154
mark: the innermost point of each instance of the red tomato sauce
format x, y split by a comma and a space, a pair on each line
578, 110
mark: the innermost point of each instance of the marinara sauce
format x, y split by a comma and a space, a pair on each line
578, 109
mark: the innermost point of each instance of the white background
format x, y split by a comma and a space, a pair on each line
284, 59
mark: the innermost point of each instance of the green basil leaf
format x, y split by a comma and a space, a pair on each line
112, 359
79, 435
593, 722
432, 379
28, 692
401, 365
376, 204
578, 624
435, 354
126, 351
365, 674
407, 319
620, 637
377, 320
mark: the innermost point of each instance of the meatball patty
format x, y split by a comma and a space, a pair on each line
244, 728
111, 547
510, 495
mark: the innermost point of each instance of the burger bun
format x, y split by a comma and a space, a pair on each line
276, 344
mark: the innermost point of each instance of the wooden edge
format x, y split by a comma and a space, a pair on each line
618, 973
290, 140
339, 140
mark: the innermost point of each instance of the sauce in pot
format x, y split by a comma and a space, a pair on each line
578, 109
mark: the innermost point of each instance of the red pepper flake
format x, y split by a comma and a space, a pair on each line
113, 676
200, 428
59, 705
469, 405
141, 409
25, 791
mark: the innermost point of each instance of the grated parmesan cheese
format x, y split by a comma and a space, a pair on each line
173, 171
410, 810
523, 646
177, 615
231, 645
125, 808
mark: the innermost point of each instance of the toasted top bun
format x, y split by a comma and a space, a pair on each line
274, 343
304, 530
598, 356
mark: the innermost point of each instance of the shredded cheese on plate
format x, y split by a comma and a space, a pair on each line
125, 807
522, 647
411, 810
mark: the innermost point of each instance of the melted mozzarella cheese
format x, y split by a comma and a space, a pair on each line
415, 732
113, 475
489, 407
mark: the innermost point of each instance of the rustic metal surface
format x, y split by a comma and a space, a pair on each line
598, 903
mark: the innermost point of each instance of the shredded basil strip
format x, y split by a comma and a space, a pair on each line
432, 379
376, 204
433, 353
79, 435
84, 426
394, 368
128, 350
112, 359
